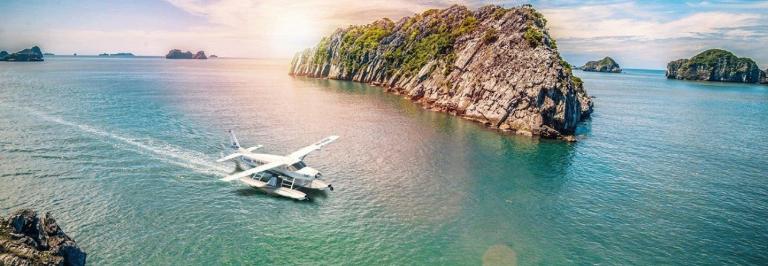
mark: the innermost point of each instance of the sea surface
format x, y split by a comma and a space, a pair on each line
123, 152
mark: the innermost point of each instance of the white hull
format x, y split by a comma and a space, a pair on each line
281, 191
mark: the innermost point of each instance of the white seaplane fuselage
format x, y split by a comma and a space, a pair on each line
282, 173
302, 175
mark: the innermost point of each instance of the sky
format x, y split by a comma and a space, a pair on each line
637, 34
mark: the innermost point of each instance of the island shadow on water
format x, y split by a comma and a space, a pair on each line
442, 120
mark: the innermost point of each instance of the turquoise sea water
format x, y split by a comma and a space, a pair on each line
122, 151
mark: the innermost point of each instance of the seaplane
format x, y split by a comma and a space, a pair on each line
276, 174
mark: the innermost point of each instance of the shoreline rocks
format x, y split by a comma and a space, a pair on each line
607, 65
496, 66
26, 239
178, 54
764, 77
716, 65
33, 54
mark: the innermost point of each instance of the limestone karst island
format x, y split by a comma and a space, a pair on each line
606, 64
717, 65
493, 65
178, 54
345, 132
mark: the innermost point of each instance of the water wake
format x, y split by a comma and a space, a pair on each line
167, 153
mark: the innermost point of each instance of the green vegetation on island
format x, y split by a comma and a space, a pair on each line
606, 64
716, 65
445, 58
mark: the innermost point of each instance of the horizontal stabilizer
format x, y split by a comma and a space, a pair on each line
251, 149
230, 157
255, 170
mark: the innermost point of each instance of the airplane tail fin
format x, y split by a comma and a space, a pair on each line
234, 144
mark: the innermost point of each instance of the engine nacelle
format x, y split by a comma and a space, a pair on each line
309, 172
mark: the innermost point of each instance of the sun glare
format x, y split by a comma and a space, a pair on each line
293, 32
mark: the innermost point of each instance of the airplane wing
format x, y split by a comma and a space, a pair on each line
260, 168
300, 154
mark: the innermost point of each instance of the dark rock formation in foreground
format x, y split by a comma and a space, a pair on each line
178, 54
26, 239
27, 55
715, 65
494, 65
606, 64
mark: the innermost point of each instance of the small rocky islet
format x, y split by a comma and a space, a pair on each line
26, 239
117, 55
606, 64
498, 66
178, 54
33, 54
717, 65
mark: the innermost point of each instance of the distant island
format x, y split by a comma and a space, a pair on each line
27, 55
717, 65
178, 54
117, 55
606, 64
46, 54
494, 65
213, 56
26, 239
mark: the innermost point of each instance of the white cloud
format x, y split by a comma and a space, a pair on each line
290, 26
637, 34
644, 36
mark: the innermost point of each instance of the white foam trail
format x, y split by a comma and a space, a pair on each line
180, 157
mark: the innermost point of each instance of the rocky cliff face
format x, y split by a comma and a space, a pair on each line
606, 64
494, 65
27, 55
764, 77
26, 239
199, 55
715, 65
178, 54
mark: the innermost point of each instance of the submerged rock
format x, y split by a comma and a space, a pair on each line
26, 239
715, 65
494, 65
606, 64
27, 55
178, 54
